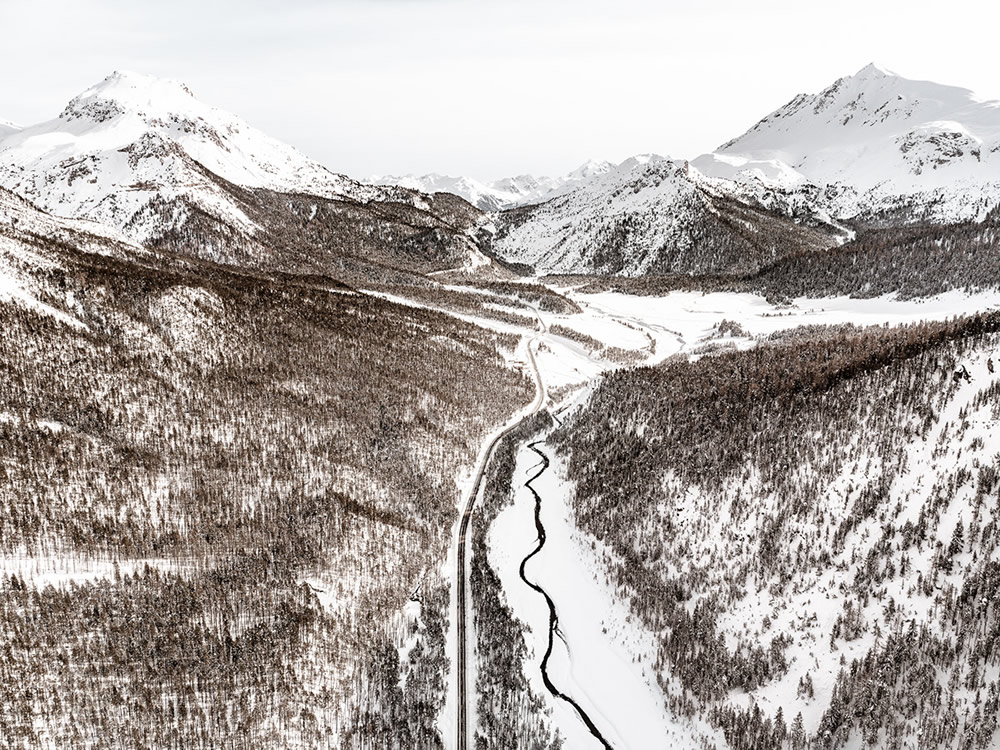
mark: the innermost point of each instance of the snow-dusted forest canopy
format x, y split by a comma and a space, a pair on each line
669, 452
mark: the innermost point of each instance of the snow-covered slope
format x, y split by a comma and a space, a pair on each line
7, 127
646, 216
503, 193
32, 247
871, 144
131, 138
144, 157
826, 531
22, 220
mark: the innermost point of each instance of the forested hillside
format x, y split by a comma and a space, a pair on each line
810, 529
906, 261
916, 261
650, 219
225, 500
394, 240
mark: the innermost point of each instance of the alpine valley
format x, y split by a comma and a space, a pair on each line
668, 453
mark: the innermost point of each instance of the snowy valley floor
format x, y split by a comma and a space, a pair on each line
602, 656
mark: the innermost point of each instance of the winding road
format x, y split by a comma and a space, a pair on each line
462, 574
462, 660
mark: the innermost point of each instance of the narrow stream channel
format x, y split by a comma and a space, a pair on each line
553, 617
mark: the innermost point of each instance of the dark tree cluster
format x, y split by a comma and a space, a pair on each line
906, 260
710, 482
542, 297
910, 261
511, 716
219, 491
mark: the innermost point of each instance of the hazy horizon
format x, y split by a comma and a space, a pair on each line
417, 86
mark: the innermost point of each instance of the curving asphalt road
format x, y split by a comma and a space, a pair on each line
462, 575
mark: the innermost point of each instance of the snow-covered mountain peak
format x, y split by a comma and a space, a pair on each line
131, 139
123, 92
874, 70
880, 140
856, 113
590, 168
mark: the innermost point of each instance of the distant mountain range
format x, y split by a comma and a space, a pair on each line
503, 193
143, 156
873, 150
866, 144
870, 146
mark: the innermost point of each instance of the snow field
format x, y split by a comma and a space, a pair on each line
63, 569
599, 658
448, 717
599, 661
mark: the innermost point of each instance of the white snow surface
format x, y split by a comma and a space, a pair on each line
561, 234
60, 570
20, 263
15, 288
7, 127
872, 141
499, 194
602, 660
23, 263
132, 138
691, 317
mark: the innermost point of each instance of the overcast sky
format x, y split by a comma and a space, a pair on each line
487, 89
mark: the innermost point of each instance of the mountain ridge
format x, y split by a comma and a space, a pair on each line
499, 194
131, 136
144, 157
648, 216
873, 149
872, 143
